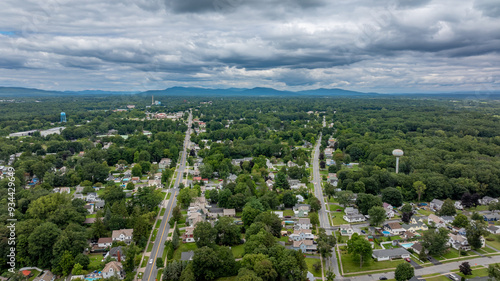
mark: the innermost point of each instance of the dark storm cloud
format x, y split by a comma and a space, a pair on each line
287, 44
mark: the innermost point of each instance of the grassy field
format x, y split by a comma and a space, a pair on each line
168, 195
150, 247
495, 243
35, 274
90, 216
95, 261
337, 219
145, 261
184, 247
479, 272
288, 212
162, 212
158, 223
310, 262
351, 266
238, 251
424, 212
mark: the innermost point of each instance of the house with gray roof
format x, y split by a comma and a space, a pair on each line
390, 254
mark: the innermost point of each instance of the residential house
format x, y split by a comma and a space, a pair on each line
491, 217
124, 235
486, 200
447, 219
458, 242
306, 246
104, 242
99, 204
187, 256
300, 198
188, 237
332, 179
116, 253
354, 218
458, 205
113, 268
65, 190
298, 185
270, 176
279, 214
47, 275
92, 196
89, 208
328, 152
390, 254
346, 230
214, 213
389, 210
301, 210
89, 220
303, 223
195, 218
408, 235
415, 219
269, 184
436, 204
417, 247
229, 213
233, 177
494, 229
301, 234
394, 228
437, 221
164, 163
351, 211
78, 196
414, 227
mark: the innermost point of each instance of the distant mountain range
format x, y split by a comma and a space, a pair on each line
258, 91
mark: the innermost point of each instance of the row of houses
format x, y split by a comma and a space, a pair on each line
437, 204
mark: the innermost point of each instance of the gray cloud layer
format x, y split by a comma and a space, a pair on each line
362, 45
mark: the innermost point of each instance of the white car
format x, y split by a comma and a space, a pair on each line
151, 261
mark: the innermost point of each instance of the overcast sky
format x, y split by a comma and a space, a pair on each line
364, 45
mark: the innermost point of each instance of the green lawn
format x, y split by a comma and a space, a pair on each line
95, 261
351, 266
452, 253
184, 247
438, 278
145, 261
425, 212
150, 247
288, 212
495, 243
337, 219
162, 212
310, 262
90, 216
158, 223
479, 272
238, 251
35, 274
168, 195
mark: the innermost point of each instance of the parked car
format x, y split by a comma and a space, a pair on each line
339, 210
408, 259
382, 278
287, 217
362, 231
454, 277
150, 261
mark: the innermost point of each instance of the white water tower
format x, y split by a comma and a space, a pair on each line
398, 153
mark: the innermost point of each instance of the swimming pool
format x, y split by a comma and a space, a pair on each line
406, 245
386, 232
92, 279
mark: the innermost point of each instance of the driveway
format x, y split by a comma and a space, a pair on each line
433, 260
414, 264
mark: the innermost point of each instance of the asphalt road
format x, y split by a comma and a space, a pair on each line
330, 263
442, 268
151, 271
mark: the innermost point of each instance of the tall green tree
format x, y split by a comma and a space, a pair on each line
377, 215
359, 248
404, 272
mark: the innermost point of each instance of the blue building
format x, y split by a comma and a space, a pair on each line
63, 117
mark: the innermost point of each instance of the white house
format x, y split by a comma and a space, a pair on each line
104, 242
436, 204
124, 235
306, 246
354, 218
438, 222
346, 230
301, 234
394, 228
459, 242
494, 229
303, 223
113, 268
389, 254
301, 210
486, 200
389, 210
458, 205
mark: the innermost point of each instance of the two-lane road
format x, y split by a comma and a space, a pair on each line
331, 263
151, 270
